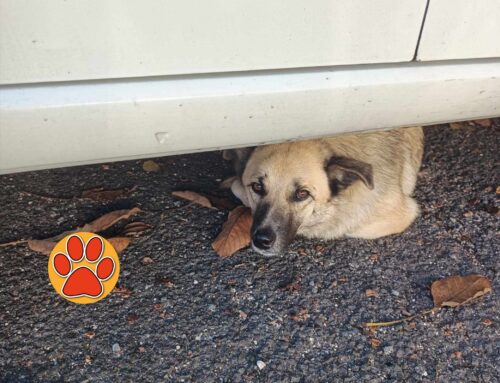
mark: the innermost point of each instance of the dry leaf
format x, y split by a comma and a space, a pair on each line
150, 166
484, 122
457, 290
235, 233
158, 307
122, 292
89, 334
106, 221
456, 125
88, 360
487, 322
165, 281
101, 195
193, 197
371, 293
43, 246
375, 342
226, 184
119, 243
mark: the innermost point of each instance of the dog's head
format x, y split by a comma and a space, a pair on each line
287, 185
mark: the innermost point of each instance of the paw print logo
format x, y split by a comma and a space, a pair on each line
83, 267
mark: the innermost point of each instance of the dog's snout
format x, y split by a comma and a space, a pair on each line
264, 238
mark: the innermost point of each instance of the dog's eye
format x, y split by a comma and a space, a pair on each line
301, 195
257, 187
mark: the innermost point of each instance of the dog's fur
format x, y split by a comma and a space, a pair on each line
360, 185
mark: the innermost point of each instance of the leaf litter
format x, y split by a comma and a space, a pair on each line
452, 291
100, 224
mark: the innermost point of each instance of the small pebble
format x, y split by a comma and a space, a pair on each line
388, 350
116, 348
261, 364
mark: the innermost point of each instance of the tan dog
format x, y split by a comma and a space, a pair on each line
354, 185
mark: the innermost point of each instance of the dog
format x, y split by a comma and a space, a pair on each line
357, 185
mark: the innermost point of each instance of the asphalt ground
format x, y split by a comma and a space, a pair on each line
194, 317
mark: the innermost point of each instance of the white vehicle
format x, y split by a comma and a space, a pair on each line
102, 80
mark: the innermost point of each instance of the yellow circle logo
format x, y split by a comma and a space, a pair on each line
83, 267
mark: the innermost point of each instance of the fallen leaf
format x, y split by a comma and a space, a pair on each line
456, 125
375, 342
134, 229
165, 281
320, 249
194, 197
141, 349
150, 166
497, 191
158, 307
147, 261
302, 252
235, 233
371, 293
43, 246
88, 360
119, 243
102, 223
102, 195
487, 322
123, 292
226, 184
484, 122
108, 220
457, 290
89, 334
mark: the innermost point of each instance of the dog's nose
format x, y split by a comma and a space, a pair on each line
264, 238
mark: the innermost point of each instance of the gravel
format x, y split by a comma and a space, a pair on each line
294, 318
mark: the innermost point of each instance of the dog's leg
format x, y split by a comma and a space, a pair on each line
389, 220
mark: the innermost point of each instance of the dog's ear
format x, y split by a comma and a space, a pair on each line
239, 157
343, 171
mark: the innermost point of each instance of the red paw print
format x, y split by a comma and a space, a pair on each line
83, 267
